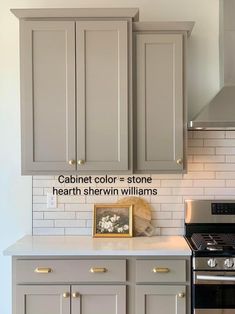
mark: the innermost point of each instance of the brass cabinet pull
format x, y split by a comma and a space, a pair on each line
81, 162
98, 270
43, 270
179, 161
75, 295
72, 162
161, 270
66, 295
181, 295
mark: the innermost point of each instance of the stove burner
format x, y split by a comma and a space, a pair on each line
214, 248
213, 241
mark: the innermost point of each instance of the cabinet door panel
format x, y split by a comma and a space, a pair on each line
48, 95
102, 95
159, 101
160, 300
42, 300
99, 300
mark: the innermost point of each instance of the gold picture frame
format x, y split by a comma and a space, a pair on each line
112, 221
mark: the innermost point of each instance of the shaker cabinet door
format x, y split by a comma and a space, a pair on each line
160, 300
159, 100
98, 299
102, 95
42, 300
47, 95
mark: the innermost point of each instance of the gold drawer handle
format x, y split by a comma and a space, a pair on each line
181, 295
72, 162
161, 270
98, 270
43, 270
66, 295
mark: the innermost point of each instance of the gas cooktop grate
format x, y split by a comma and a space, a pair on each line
213, 241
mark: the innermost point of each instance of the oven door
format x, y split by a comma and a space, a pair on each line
213, 292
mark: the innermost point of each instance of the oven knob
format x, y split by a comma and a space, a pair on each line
228, 263
212, 262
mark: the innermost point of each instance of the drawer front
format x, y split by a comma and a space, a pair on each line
160, 271
38, 271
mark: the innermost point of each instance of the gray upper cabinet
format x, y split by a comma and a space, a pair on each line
75, 90
160, 97
102, 95
47, 52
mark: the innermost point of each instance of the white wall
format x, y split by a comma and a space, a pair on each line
15, 190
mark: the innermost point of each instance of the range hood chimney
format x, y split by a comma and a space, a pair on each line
219, 114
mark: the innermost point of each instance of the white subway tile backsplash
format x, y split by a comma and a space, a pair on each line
209, 134
225, 150
211, 175
48, 231
201, 150
208, 158
43, 223
172, 231
59, 215
176, 183
37, 215
172, 207
70, 223
187, 191
195, 142
78, 231
209, 183
219, 143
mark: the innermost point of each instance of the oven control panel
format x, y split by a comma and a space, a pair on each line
223, 208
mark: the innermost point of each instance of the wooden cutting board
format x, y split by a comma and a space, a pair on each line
141, 213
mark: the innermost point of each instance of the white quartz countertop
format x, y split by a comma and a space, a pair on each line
88, 246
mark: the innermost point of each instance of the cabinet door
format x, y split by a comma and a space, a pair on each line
159, 77
160, 300
99, 299
47, 95
102, 95
42, 300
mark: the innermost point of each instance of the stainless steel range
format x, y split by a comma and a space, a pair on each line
210, 232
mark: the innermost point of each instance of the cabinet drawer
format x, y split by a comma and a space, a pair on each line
30, 271
160, 271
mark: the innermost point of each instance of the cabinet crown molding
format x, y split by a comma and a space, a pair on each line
132, 13
165, 26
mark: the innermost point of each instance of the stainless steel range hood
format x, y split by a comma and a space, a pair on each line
219, 114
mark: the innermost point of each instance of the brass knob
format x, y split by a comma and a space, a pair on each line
43, 270
81, 162
66, 295
179, 161
161, 270
181, 295
75, 295
98, 270
72, 162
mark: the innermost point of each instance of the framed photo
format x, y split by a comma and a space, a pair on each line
112, 220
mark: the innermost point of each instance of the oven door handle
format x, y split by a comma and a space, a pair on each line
215, 278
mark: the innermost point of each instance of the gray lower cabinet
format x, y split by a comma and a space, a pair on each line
98, 299
83, 299
159, 102
31, 299
74, 96
101, 285
163, 299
